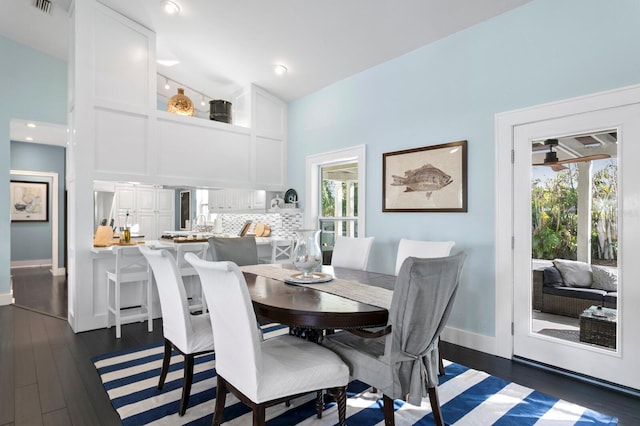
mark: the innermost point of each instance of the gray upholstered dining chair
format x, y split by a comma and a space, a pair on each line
262, 373
239, 250
188, 334
349, 252
423, 249
403, 362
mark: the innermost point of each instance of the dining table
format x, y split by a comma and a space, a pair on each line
352, 299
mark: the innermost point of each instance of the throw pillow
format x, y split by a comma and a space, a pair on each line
551, 276
604, 278
574, 273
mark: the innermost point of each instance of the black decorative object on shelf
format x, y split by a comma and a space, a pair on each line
220, 110
291, 196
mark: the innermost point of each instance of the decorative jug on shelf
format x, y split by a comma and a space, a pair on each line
307, 255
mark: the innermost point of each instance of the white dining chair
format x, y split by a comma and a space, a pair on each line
262, 373
423, 249
353, 253
190, 276
188, 334
130, 268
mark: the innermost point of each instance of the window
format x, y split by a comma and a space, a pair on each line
335, 201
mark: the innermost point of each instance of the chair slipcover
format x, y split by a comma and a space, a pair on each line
422, 249
351, 252
405, 361
241, 250
262, 370
189, 334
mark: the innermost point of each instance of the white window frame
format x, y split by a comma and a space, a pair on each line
314, 164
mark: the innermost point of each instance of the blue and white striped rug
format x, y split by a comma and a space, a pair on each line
467, 397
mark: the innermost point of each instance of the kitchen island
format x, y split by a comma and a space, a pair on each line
132, 294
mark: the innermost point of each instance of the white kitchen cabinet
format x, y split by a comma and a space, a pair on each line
259, 200
151, 207
235, 200
125, 197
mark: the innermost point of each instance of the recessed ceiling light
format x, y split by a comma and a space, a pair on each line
170, 7
29, 138
32, 125
279, 69
168, 62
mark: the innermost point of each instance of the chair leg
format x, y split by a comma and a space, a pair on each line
340, 395
435, 406
258, 415
319, 404
186, 386
149, 300
221, 396
389, 419
116, 304
440, 363
166, 360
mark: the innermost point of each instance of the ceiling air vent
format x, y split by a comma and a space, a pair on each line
45, 6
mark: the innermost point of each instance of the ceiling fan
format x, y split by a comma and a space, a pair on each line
551, 157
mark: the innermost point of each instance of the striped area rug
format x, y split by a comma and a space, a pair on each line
467, 397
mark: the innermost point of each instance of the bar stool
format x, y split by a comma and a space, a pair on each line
131, 267
281, 252
195, 297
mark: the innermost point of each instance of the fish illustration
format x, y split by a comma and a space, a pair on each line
426, 178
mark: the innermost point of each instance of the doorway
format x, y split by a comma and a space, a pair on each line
514, 321
38, 153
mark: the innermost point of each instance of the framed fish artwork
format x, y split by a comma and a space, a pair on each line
428, 179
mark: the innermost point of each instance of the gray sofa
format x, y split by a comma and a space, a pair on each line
570, 294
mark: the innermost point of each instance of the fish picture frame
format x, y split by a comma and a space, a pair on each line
428, 179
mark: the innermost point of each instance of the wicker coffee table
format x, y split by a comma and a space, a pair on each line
598, 326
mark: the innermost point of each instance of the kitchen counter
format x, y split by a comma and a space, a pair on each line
200, 239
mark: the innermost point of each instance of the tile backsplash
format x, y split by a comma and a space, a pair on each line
283, 224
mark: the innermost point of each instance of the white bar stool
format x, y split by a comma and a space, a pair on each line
131, 267
281, 252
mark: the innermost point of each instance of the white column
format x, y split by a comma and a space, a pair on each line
584, 212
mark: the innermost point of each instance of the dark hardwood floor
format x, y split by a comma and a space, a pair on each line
47, 377
38, 290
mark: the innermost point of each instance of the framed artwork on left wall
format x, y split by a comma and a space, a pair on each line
29, 201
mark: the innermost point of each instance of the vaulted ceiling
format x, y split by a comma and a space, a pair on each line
222, 46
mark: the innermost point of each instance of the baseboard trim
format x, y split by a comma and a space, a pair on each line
32, 263
478, 342
58, 272
6, 298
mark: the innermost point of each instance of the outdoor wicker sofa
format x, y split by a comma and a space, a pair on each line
551, 294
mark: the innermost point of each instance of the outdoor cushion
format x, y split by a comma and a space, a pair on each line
574, 273
551, 276
604, 278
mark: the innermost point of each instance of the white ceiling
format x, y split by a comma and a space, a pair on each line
223, 46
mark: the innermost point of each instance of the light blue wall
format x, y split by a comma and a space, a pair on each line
544, 51
33, 87
32, 240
